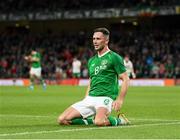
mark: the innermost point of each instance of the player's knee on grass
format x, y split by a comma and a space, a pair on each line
100, 122
64, 120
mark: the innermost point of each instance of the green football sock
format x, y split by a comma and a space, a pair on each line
80, 121
41, 80
32, 81
114, 121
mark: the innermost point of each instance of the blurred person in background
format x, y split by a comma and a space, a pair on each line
76, 68
105, 69
129, 67
35, 71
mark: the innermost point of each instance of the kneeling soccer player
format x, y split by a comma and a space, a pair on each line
105, 68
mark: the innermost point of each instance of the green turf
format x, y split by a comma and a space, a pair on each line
153, 111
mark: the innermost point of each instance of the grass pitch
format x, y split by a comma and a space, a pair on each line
153, 111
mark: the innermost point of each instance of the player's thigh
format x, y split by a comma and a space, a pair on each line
103, 102
101, 113
101, 117
85, 107
103, 109
69, 114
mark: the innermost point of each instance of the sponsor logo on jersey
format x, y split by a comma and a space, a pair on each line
103, 66
104, 62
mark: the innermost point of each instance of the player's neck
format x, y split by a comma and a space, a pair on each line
103, 51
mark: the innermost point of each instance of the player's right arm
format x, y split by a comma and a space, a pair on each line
88, 88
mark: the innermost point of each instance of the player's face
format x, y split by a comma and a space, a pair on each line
99, 41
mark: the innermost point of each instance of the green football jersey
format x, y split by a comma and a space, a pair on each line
38, 63
104, 72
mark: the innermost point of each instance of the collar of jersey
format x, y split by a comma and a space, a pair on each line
104, 53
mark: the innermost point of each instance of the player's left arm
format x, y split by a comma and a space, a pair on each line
117, 104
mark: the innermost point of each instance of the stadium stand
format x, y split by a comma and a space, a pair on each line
157, 49
156, 58
55, 5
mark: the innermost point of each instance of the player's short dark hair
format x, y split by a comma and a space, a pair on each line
103, 30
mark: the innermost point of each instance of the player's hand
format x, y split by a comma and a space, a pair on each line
116, 105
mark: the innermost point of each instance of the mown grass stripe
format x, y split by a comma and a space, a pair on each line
87, 129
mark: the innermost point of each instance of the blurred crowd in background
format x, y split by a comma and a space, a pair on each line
11, 6
155, 53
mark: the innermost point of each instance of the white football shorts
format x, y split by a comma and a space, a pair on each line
88, 106
35, 71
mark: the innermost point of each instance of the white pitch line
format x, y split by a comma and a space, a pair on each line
152, 119
84, 129
44, 116
24, 116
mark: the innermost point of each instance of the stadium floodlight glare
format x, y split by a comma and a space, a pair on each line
135, 23
17, 25
122, 21
27, 26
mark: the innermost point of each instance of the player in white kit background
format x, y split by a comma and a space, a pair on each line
129, 67
76, 68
